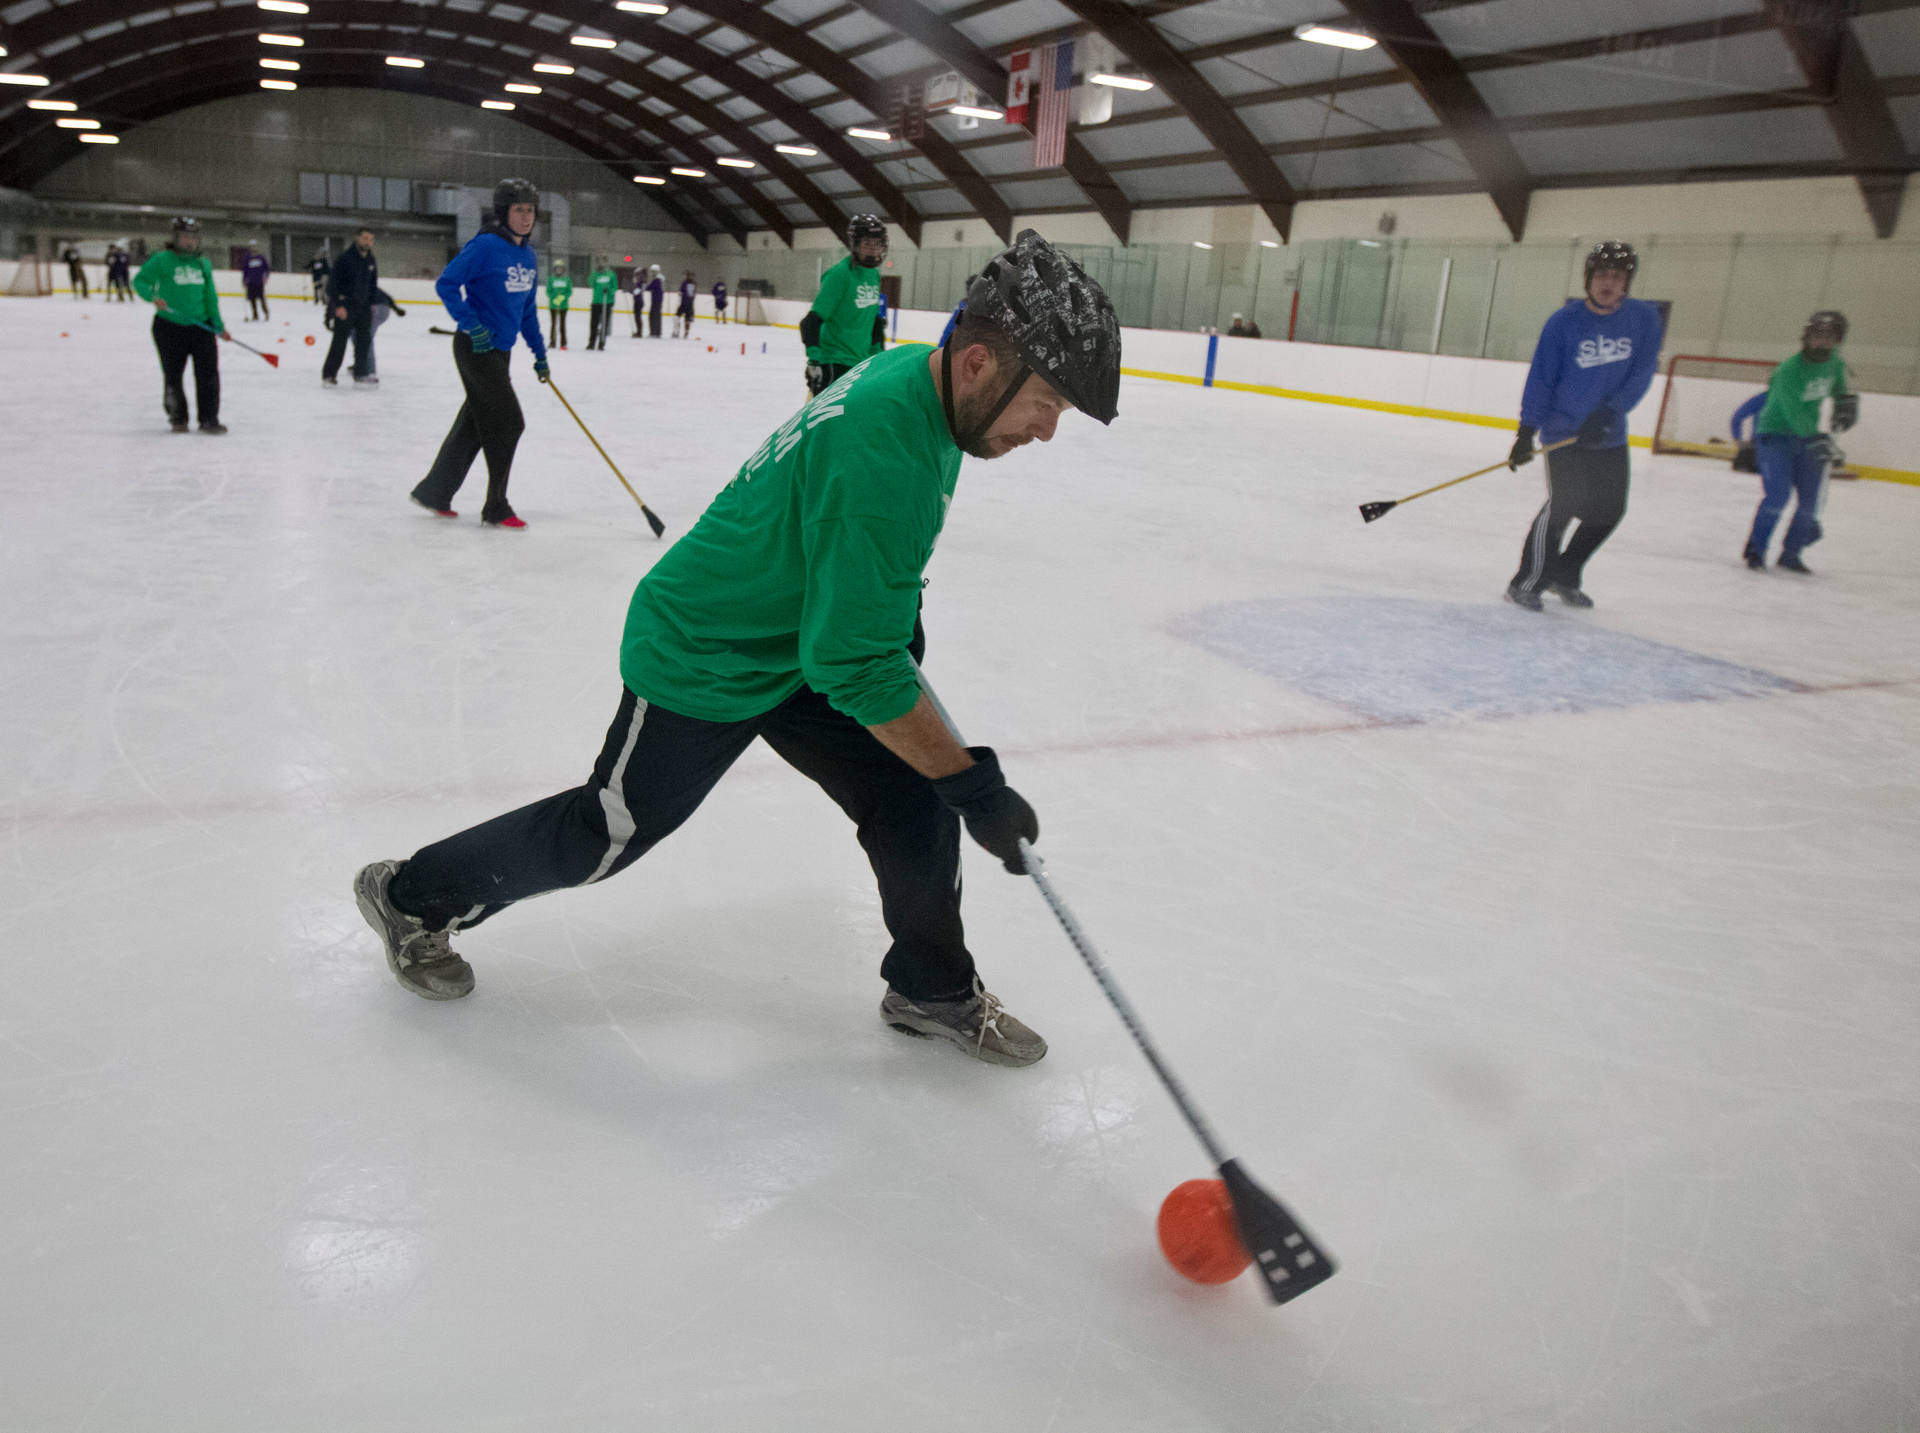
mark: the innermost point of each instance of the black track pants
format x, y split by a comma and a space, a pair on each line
489, 421
357, 325
557, 328
599, 324
656, 768
257, 305
177, 343
1588, 484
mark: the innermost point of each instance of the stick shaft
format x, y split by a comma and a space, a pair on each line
1480, 472
596, 442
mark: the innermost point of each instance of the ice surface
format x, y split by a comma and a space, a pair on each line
1589, 1040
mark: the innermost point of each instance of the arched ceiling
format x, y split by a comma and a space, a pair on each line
1503, 97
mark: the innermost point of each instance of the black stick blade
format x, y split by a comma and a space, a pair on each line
1288, 1260
1370, 511
659, 528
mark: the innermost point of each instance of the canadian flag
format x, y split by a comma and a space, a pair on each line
1019, 83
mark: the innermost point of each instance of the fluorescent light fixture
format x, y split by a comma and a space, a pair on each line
267, 62
78, 123
805, 151
406, 62
1369, 243
641, 7
1327, 35
522, 89
278, 85
880, 134
284, 7
545, 69
1269, 243
292, 42
687, 173
592, 42
733, 163
99, 139
648, 179
1199, 245
973, 111
1120, 82
496, 104
12, 78
52, 104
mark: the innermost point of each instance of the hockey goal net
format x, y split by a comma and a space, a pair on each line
1696, 410
749, 309
32, 278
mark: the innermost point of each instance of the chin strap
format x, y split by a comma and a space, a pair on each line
965, 441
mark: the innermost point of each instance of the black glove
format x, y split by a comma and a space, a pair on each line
997, 816
1747, 460
1522, 447
1596, 426
1846, 411
816, 377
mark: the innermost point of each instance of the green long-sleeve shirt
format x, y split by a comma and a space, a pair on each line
184, 282
848, 303
606, 283
559, 291
1796, 391
806, 568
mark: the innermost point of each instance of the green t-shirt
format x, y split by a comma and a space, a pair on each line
848, 303
1795, 393
806, 568
606, 283
559, 291
185, 282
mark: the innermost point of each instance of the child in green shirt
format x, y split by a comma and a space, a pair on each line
178, 282
606, 283
1792, 452
559, 295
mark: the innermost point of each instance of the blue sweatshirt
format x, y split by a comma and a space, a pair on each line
1585, 361
1746, 415
490, 284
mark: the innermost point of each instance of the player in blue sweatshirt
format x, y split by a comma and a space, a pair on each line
489, 288
1595, 359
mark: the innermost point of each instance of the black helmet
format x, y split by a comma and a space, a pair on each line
1060, 321
1612, 254
866, 226
509, 192
1830, 320
186, 224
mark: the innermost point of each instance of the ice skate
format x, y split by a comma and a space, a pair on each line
1520, 597
437, 512
975, 1022
1790, 562
421, 959
1756, 561
214, 426
509, 521
1572, 596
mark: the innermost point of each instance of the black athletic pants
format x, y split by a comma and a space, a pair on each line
557, 329
653, 320
1589, 484
257, 305
357, 325
489, 422
177, 343
77, 277
639, 319
656, 768
599, 324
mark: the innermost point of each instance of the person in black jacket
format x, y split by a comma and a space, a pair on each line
350, 295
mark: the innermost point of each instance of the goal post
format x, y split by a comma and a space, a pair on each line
749, 309
1696, 407
31, 278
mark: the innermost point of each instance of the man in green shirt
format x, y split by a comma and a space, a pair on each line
178, 282
1792, 452
606, 283
559, 295
845, 326
788, 612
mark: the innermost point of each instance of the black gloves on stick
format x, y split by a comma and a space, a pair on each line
1522, 447
1846, 411
1596, 426
997, 816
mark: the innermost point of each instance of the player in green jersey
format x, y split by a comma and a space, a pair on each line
1792, 452
606, 283
845, 326
788, 613
559, 296
178, 282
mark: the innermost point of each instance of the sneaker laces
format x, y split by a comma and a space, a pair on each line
427, 947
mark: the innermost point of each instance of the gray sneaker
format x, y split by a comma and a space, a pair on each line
975, 1022
421, 959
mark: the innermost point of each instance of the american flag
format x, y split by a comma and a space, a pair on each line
1053, 85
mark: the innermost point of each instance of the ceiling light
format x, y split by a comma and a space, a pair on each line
685, 172
1327, 35
496, 104
52, 104
733, 163
977, 112
544, 69
284, 7
1269, 244
640, 7
1120, 82
78, 123
880, 134
291, 41
805, 151
99, 139
592, 42
648, 179
406, 62
267, 62
11, 78
522, 89
1369, 243
278, 85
